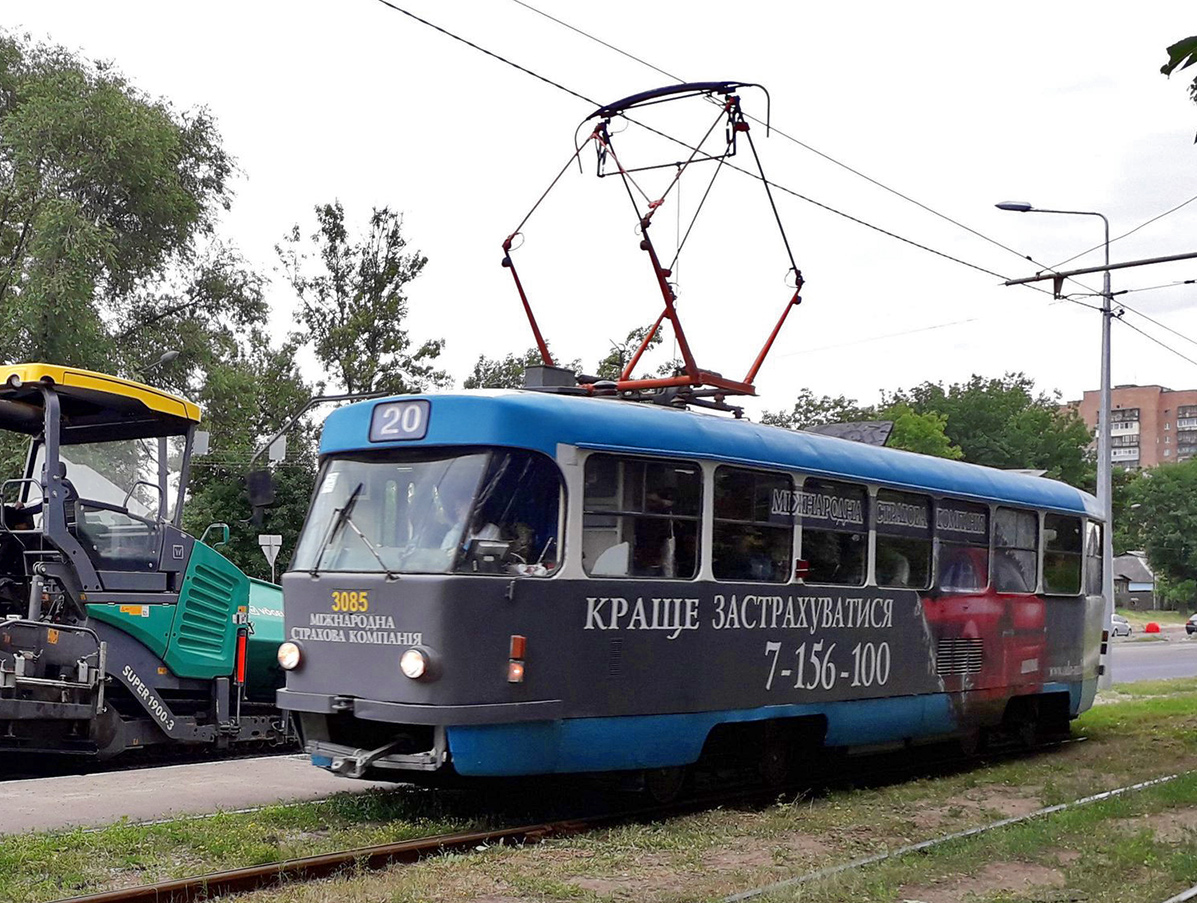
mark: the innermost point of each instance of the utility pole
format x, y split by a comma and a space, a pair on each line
1105, 494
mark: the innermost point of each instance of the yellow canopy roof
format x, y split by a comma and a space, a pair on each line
98, 388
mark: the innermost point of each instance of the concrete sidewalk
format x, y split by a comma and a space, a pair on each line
148, 794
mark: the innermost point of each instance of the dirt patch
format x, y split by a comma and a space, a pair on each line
1172, 826
993, 878
755, 854
1005, 802
1067, 857
633, 887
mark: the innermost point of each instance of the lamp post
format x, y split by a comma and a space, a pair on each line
1105, 494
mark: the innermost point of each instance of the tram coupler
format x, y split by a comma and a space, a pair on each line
355, 765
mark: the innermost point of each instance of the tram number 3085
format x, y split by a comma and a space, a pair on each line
816, 668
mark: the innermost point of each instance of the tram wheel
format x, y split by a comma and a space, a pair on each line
664, 785
970, 742
776, 758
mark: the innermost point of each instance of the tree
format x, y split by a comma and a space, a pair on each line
100, 187
1128, 519
108, 200
1167, 496
810, 411
1182, 55
353, 304
922, 433
1003, 422
247, 395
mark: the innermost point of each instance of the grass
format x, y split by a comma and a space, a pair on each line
1142, 846
1140, 619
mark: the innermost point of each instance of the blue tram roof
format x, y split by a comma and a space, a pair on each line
541, 420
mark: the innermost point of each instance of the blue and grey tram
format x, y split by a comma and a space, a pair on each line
521, 583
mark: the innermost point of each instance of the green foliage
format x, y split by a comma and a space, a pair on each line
100, 188
922, 433
1128, 521
107, 201
508, 372
810, 411
248, 395
997, 422
1167, 496
353, 304
612, 366
1003, 422
1182, 55
915, 431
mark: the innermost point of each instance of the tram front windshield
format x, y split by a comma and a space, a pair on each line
429, 512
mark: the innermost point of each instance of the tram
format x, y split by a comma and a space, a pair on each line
503, 583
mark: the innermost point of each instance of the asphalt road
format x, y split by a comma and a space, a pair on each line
164, 792
1175, 656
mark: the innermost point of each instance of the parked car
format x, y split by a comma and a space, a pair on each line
1120, 626
1191, 625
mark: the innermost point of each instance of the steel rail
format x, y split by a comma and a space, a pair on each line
201, 888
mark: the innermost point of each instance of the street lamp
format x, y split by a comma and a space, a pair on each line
167, 357
1105, 493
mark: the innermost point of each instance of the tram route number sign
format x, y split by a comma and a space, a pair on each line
394, 421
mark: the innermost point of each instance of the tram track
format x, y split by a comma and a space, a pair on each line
238, 881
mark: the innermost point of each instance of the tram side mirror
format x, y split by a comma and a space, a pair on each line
259, 486
222, 530
200, 444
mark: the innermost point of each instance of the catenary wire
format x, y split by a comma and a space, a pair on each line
781, 188
810, 148
1152, 338
1152, 320
1158, 216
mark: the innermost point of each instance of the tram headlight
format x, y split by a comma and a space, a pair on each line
414, 663
289, 656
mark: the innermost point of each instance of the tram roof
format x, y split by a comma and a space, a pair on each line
541, 421
95, 406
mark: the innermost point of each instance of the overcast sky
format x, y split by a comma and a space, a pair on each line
957, 106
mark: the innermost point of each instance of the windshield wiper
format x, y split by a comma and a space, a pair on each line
342, 519
391, 575
334, 528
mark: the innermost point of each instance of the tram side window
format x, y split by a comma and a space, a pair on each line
1093, 559
1063, 554
753, 535
640, 517
962, 530
835, 536
1015, 550
903, 549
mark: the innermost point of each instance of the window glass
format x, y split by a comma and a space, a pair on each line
640, 517
431, 511
835, 534
962, 530
1063, 553
752, 537
1093, 559
903, 547
1016, 551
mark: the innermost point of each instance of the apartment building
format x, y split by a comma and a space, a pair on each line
1149, 425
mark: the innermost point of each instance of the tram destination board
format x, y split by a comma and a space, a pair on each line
400, 420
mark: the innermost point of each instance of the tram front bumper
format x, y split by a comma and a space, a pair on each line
408, 713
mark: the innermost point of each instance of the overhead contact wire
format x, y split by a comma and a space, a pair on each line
782, 188
812, 149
